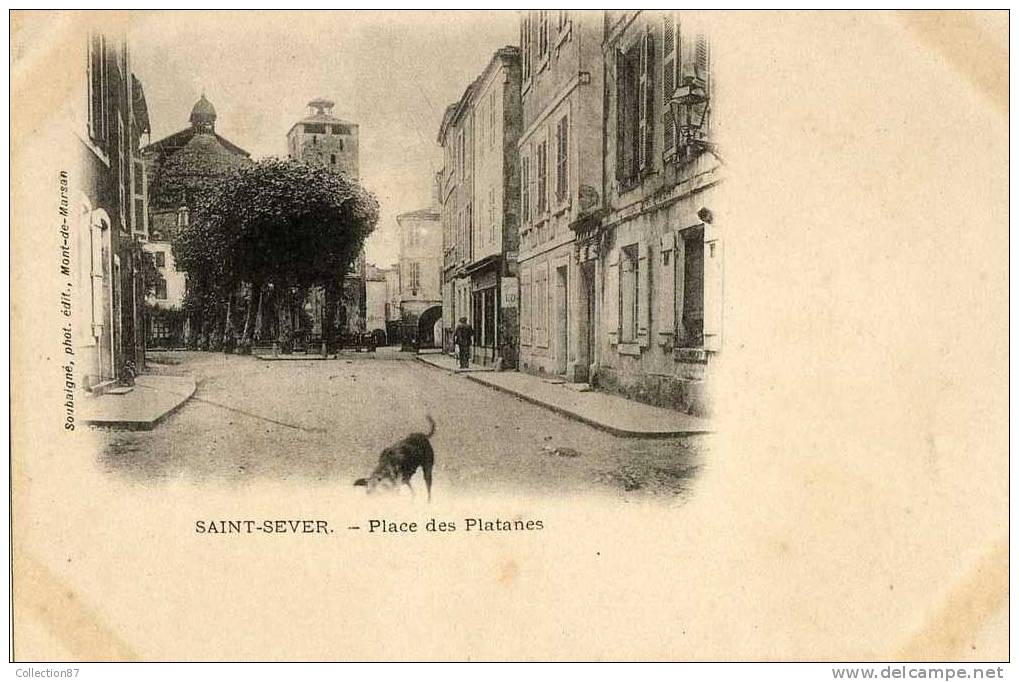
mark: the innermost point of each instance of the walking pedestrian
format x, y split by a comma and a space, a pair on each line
463, 336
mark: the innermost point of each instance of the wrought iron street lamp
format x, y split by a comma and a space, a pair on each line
689, 105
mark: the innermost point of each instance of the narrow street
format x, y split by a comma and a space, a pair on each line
328, 420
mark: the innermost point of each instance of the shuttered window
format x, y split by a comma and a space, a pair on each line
542, 33
690, 289
627, 113
629, 293
525, 45
491, 215
646, 102
540, 306
525, 307
541, 162
562, 161
694, 52
635, 98
98, 85
415, 275
525, 189
139, 193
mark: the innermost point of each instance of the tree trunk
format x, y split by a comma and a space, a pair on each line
216, 327
331, 299
203, 337
244, 347
258, 334
285, 320
229, 336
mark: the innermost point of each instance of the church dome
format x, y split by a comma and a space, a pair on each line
203, 113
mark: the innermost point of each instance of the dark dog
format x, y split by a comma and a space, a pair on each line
399, 462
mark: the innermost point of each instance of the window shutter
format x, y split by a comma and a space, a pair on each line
702, 57
643, 294
610, 298
620, 122
670, 64
703, 67
98, 272
713, 272
642, 103
666, 295
649, 99
525, 307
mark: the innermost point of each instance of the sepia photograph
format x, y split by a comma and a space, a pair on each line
411, 336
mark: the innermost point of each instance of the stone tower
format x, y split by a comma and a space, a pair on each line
322, 138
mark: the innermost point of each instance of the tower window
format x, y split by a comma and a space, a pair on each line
332, 159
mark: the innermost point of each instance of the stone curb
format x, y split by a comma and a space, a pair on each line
576, 416
142, 424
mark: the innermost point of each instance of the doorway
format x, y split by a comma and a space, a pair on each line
585, 309
562, 319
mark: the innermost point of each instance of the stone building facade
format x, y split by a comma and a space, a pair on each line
180, 167
106, 205
455, 197
324, 139
479, 193
420, 274
659, 242
376, 302
560, 153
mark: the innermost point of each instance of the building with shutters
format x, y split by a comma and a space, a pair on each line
659, 241
560, 153
420, 273
480, 202
454, 214
104, 202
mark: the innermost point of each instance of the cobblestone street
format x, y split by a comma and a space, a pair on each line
328, 420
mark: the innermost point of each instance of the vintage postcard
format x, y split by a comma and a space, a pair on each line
538, 335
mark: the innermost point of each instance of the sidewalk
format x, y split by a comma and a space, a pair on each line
444, 361
611, 413
154, 397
